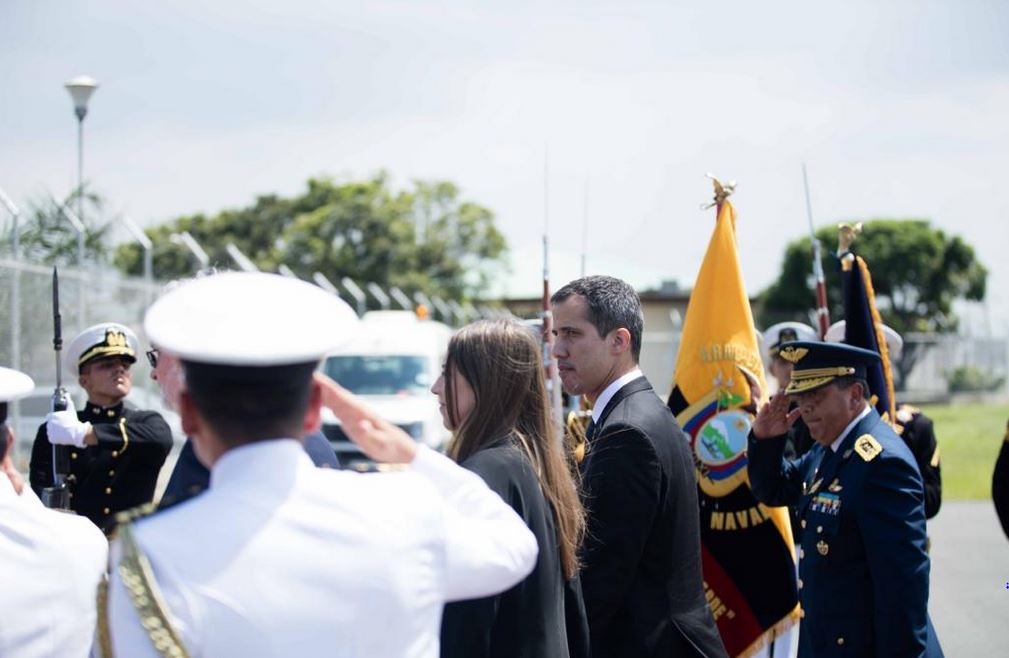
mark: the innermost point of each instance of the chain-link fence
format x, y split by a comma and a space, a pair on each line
87, 296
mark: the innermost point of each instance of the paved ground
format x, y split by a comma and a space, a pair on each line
969, 601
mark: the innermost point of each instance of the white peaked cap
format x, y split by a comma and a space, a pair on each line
102, 340
784, 332
14, 384
894, 343
249, 319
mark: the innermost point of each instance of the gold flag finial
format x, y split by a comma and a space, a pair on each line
722, 191
846, 234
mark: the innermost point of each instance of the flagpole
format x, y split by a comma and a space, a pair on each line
553, 376
822, 312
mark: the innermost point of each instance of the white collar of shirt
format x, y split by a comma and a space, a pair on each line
263, 461
837, 442
611, 390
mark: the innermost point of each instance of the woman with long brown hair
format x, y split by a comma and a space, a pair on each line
493, 399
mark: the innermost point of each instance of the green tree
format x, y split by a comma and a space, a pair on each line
47, 236
917, 272
421, 239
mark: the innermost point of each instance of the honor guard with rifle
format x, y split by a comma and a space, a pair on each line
114, 452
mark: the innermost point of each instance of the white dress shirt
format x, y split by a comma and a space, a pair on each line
279, 558
836, 443
50, 566
611, 390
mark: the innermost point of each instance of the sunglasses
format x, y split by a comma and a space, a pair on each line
152, 357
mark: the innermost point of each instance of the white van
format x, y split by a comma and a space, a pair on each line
392, 364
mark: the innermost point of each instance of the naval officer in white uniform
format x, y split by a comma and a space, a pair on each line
279, 558
50, 562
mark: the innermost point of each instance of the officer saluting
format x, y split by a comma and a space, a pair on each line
116, 452
863, 570
279, 558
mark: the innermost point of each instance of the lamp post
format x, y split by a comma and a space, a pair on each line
80, 89
147, 246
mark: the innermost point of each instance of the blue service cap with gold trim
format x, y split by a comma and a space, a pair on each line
816, 364
250, 319
100, 341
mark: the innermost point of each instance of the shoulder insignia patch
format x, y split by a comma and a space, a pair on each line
867, 447
793, 354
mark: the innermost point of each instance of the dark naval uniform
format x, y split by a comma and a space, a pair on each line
919, 435
863, 564
863, 569
119, 472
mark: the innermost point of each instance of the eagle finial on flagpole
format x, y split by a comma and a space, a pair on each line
722, 191
846, 234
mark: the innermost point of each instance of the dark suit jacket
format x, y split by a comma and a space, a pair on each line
1000, 485
863, 568
190, 477
527, 621
642, 582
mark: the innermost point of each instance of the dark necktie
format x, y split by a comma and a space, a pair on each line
590, 431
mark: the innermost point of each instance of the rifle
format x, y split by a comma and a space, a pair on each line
822, 312
58, 495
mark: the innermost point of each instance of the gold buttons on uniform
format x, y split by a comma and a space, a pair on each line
800, 583
840, 641
819, 528
112, 472
96, 410
105, 510
110, 413
108, 490
73, 455
803, 523
115, 453
802, 553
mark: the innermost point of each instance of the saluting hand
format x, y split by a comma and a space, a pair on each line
774, 418
378, 439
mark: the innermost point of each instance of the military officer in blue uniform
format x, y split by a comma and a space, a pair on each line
863, 567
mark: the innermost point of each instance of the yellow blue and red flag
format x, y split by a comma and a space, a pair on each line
747, 550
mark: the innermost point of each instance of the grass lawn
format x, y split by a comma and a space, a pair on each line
969, 436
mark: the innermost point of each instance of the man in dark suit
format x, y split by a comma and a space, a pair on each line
642, 583
863, 567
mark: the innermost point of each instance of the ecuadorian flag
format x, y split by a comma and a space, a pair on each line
747, 550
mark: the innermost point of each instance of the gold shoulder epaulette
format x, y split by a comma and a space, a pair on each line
867, 447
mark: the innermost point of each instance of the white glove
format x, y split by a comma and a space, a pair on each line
64, 429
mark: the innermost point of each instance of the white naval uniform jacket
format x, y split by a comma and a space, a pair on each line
279, 558
50, 566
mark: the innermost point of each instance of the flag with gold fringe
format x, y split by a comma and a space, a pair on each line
747, 550
863, 327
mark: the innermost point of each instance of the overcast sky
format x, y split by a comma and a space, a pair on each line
899, 109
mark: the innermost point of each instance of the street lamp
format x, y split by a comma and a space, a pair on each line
80, 89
